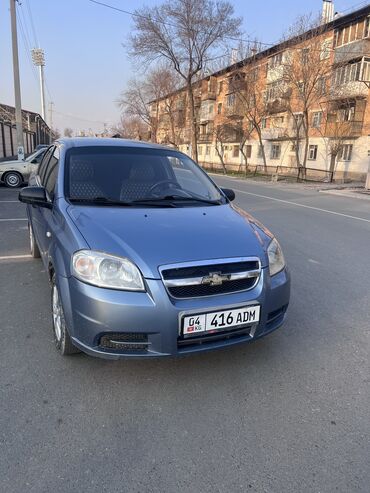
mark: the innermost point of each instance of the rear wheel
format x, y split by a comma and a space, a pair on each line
62, 338
35, 252
13, 179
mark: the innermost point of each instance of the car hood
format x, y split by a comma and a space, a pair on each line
152, 237
11, 163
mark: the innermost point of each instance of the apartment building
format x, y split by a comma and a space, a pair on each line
305, 100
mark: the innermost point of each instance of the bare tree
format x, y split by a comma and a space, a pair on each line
130, 127
68, 132
304, 74
249, 88
55, 134
185, 33
142, 97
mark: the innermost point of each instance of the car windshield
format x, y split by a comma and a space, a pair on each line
137, 176
35, 154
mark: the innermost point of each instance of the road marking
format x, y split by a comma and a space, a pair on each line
14, 257
15, 219
305, 206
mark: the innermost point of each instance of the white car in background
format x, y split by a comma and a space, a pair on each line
14, 173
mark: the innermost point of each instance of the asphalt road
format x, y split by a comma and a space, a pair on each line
288, 413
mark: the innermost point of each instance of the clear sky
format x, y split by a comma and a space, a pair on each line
86, 62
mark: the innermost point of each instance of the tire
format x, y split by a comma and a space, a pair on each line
13, 179
62, 339
34, 249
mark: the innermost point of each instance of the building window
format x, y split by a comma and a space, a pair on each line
230, 101
200, 150
210, 109
325, 50
276, 60
208, 150
348, 73
248, 151
219, 108
347, 113
346, 154
367, 27
317, 119
235, 151
259, 153
304, 55
321, 86
264, 123
312, 153
219, 87
275, 151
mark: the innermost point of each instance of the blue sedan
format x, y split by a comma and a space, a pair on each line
146, 256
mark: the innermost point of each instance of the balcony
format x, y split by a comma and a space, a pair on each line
209, 95
205, 137
352, 51
339, 130
235, 110
278, 105
353, 89
274, 133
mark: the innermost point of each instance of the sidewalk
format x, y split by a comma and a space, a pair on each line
352, 190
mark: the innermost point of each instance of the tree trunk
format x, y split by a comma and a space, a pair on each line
194, 140
259, 133
306, 139
333, 158
221, 156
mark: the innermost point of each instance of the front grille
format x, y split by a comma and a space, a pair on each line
124, 341
204, 270
209, 278
199, 290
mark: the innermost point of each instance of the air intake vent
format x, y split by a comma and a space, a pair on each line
127, 341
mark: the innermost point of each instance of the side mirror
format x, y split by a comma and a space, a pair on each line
230, 194
34, 196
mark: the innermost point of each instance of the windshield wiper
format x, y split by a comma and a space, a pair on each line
169, 198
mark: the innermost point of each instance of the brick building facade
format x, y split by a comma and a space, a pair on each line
256, 106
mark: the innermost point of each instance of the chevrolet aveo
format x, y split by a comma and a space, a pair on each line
146, 256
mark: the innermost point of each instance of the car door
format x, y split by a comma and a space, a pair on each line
48, 217
34, 212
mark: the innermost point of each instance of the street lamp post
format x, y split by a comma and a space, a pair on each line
38, 57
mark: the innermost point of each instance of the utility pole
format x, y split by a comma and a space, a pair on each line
38, 57
17, 84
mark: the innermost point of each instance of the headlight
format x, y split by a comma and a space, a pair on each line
106, 271
276, 257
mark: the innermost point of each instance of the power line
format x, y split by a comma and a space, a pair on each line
32, 24
78, 117
27, 48
165, 23
248, 41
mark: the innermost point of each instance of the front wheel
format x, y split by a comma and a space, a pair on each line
63, 341
13, 179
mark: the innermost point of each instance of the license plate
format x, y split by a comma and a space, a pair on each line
219, 321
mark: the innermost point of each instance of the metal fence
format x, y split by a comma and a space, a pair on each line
297, 174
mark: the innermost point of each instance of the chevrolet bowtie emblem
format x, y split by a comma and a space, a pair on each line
215, 279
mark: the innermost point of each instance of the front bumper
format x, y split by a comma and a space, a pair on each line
93, 312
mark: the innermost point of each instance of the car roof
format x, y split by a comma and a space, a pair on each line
109, 142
